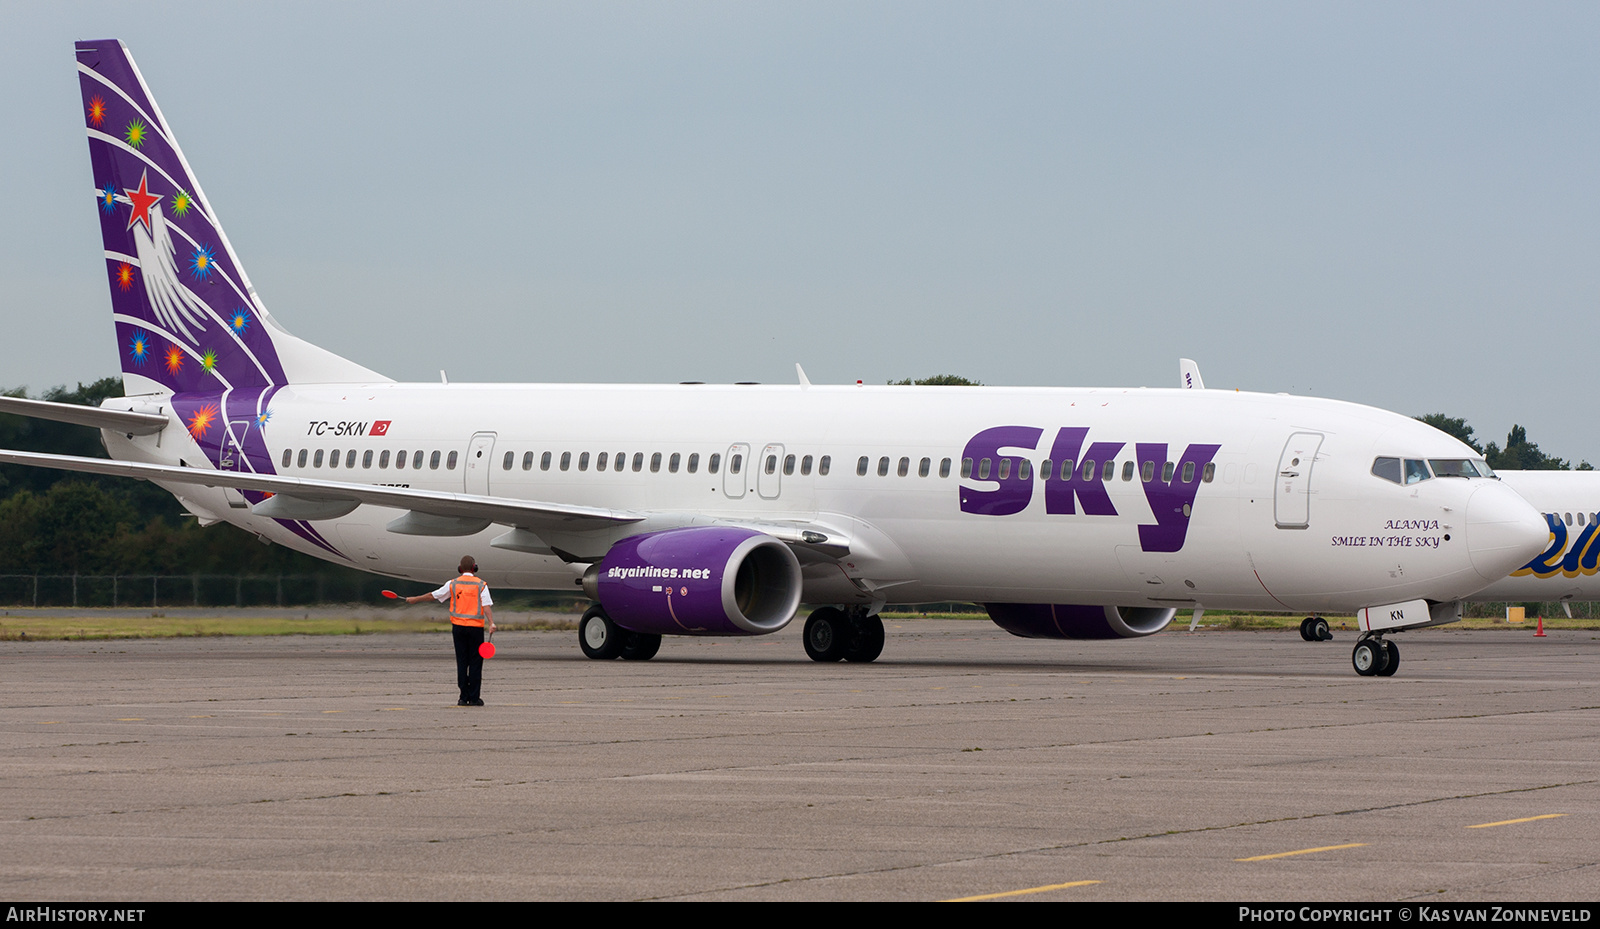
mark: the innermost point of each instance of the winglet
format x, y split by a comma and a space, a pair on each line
1189, 375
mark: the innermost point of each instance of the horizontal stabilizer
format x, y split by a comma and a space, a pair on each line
124, 421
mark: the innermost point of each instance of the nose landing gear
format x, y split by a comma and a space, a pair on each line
1375, 657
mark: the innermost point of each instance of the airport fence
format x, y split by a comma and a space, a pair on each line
158, 590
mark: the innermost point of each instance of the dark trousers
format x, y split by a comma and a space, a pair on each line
469, 664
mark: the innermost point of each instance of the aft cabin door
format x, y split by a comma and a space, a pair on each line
480, 456
1291, 504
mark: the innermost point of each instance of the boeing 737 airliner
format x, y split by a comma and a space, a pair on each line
717, 510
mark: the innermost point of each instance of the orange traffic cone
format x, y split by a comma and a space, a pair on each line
1540, 633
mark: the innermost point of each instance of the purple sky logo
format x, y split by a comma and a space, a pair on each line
1081, 478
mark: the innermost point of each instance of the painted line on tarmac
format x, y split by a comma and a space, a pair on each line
1304, 851
1019, 893
1512, 822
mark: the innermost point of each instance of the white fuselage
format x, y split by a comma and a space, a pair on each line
1569, 568
1253, 532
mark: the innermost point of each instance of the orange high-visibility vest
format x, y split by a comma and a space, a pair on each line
466, 601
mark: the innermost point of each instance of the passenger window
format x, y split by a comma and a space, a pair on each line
583, 461
400, 460
1005, 468
638, 462
694, 462
1067, 467
383, 460
1025, 470
1210, 472
883, 467
905, 467
333, 459
619, 462
506, 462
772, 464
735, 463
788, 464
805, 465
566, 460
924, 467
1147, 472
316, 460
1089, 470
350, 458
544, 462
713, 463
1108, 471
366, 460
416, 460
527, 461
824, 464
600, 461
1127, 471
433, 460
288, 456
1569, 519
1047, 469
966, 467
983, 469
861, 466
1388, 469
655, 463
450, 462
1166, 473
672, 463
944, 468
1188, 472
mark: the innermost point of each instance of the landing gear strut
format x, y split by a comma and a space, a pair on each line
832, 634
1375, 657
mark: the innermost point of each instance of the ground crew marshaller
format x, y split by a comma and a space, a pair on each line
470, 611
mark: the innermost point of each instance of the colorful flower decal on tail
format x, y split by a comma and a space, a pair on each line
174, 359
97, 111
203, 260
239, 322
136, 133
208, 360
202, 420
139, 346
124, 275
107, 198
262, 418
181, 202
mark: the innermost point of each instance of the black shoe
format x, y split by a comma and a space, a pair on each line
474, 703
463, 702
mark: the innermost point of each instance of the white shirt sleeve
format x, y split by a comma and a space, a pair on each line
443, 593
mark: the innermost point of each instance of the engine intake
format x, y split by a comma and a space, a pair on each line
701, 580
1071, 621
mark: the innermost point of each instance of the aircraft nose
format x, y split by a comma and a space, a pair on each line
1504, 532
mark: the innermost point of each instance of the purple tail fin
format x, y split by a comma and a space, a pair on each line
187, 318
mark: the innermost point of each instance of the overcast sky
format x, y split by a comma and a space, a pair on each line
1396, 204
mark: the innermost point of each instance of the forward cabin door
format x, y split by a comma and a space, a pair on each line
480, 457
1291, 505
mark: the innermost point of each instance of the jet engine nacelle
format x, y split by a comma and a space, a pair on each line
701, 580
1071, 621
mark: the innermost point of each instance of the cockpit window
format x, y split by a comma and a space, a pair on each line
1460, 467
1388, 469
1416, 470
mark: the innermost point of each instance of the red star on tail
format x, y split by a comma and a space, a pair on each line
142, 200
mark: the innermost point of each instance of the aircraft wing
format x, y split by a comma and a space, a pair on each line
313, 499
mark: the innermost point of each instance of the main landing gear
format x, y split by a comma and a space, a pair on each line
1375, 657
832, 634
1315, 629
602, 639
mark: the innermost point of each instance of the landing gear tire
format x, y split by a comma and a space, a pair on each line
640, 646
1370, 657
827, 634
867, 643
1394, 660
598, 636
1320, 631
1305, 628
